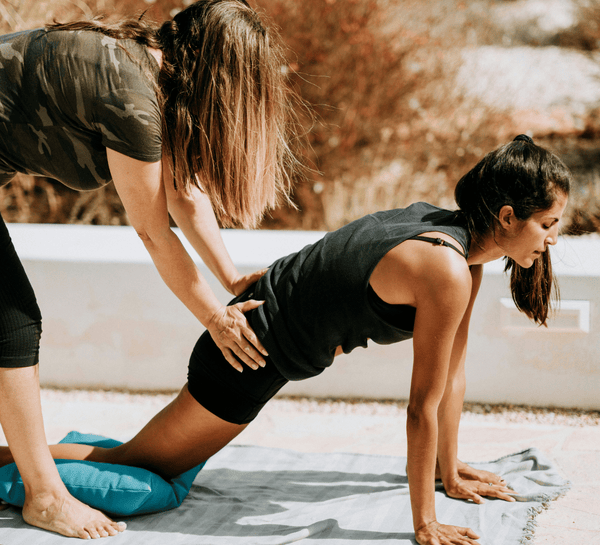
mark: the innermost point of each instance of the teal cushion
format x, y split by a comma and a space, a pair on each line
120, 490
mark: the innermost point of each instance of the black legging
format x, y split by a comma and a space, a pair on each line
20, 316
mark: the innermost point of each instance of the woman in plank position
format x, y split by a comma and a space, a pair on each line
387, 277
190, 118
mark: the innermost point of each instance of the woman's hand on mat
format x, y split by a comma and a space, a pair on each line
240, 284
466, 489
435, 533
233, 335
467, 472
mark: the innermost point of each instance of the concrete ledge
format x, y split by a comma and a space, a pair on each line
110, 322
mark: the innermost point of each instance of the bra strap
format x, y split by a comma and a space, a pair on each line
439, 242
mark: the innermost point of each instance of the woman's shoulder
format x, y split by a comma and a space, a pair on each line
417, 212
88, 50
112, 89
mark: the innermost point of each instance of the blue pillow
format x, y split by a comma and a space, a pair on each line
116, 489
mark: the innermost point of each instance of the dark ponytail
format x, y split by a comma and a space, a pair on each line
533, 288
528, 178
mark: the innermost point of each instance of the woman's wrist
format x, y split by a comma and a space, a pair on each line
229, 279
422, 523
215, 316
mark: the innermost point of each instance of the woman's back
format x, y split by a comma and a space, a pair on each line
67, 96
317, 299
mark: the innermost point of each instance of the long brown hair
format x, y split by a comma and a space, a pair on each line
228, 122
528, 178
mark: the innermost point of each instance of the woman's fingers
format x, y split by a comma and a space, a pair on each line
249, 335
476, 498
242, 283
235, 338
470, 533
435, 533
489, 484
466, 490
465, 471
255, 276
496, 491
228, 354
248, 355
475, 490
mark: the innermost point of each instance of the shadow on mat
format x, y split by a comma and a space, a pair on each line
226, 503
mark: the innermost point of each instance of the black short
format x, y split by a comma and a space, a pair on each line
233, 396
20, 317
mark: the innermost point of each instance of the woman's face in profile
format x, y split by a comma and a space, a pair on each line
533, 235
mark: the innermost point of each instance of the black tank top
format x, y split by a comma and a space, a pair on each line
402, 316
318, 298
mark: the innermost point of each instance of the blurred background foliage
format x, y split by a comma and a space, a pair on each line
406, 96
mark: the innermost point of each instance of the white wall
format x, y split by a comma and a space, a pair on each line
110, 322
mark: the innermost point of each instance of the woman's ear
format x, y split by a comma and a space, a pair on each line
506, 217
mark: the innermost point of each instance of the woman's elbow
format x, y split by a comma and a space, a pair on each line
418, 415
153, 237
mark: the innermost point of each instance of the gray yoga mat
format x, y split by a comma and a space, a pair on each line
262, 496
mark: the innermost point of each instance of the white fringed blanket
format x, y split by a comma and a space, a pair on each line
263, 496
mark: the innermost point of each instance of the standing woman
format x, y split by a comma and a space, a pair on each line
189, 118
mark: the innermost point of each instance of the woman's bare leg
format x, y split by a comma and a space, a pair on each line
178, 438
48, 504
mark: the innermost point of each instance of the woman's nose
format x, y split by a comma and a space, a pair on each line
553, 236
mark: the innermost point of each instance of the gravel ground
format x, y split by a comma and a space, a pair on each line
471, 412
513, 414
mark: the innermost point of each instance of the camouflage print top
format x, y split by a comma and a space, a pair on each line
67, 96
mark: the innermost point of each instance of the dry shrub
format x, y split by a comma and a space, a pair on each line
584, 35
583, 213
581, 153
18, 15
359, 84
389, 129
31, 200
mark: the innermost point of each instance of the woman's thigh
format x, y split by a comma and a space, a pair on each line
20, 317
232, 396
178, 438
214, 407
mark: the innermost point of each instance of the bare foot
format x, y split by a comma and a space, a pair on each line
69, 517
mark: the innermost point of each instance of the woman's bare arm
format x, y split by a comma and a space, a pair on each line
437, 281
442, 287
194, 215
460, 480
450, 407
142, 192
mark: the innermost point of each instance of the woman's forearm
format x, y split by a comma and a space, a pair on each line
144, 196
421, 431
449, 413
194, 215
181, 275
